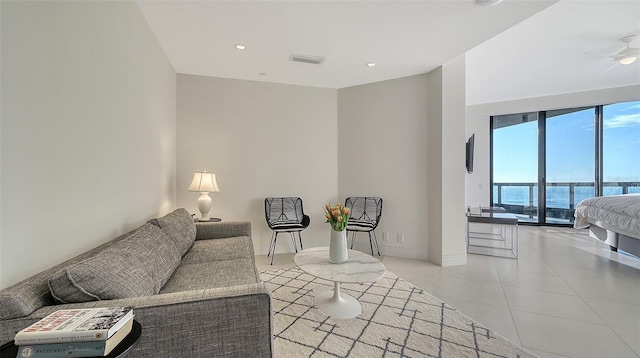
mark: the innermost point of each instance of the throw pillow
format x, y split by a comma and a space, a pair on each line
138, 265
179, 226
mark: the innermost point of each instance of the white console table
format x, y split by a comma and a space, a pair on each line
492, 233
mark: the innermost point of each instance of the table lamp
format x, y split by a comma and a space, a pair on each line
204, 183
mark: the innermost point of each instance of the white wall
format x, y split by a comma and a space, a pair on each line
434, 161
477, 121
260, 139
323, 145
88, 130
383, 148
1, 275
446, 211
453, 163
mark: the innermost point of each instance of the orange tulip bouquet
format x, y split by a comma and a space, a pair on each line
337, 216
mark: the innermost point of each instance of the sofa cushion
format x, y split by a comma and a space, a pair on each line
22, 299
179, 226
212, 274
219, 249
138, 265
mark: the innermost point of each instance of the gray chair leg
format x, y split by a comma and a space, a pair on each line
375, 242
370, 242
293, 239
353, 237
300, 237
273, 254
271, 244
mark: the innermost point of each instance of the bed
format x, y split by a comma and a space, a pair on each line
613, 219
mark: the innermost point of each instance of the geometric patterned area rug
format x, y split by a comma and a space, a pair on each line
398, 320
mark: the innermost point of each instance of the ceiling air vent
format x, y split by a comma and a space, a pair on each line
315, 60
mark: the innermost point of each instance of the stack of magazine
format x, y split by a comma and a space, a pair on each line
89, 332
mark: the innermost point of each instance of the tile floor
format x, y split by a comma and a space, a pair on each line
567, 295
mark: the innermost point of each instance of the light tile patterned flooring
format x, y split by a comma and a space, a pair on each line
567, 295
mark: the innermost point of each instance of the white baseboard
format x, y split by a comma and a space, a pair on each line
454, 259
403, 252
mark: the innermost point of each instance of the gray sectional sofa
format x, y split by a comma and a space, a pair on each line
194, 288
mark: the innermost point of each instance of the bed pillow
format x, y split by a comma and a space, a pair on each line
138, 265
179, 226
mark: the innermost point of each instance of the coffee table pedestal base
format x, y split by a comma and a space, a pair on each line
337, 304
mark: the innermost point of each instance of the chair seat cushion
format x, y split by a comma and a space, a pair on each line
355, 224
285, 224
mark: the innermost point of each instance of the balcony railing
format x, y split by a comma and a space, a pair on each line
522, 198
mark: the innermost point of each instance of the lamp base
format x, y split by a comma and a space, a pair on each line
204, 205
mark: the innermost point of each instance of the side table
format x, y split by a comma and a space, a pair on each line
360, 268
211, 220
492, 233
10, 350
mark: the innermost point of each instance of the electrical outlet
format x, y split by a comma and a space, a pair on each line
385, 236
400, 237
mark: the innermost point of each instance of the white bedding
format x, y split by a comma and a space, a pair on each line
619, 213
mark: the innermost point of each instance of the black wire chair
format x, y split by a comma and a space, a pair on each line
285, 215
364, 216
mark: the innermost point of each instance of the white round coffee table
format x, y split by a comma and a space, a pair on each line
359, 268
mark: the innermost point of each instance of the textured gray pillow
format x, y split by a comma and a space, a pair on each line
138, 265
179, 226
23, 298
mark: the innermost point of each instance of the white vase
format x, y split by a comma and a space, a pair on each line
338, 247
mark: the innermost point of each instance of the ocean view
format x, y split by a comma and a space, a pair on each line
557, 196
570, 156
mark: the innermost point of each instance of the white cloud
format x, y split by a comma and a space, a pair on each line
623, 120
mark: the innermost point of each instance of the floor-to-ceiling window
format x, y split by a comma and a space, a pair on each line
569, 154
570, 161
515, 167
621, 148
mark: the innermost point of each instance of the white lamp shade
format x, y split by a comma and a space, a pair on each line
204, 182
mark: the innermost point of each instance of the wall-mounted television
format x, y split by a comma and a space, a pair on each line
469, 160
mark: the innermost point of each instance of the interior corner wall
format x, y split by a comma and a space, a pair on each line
382, 140
260, 139
434, 161
477, 185
88, 117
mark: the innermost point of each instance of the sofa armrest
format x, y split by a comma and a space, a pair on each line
221, 322
219, 230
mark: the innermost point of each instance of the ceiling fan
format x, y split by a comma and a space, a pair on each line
630, 54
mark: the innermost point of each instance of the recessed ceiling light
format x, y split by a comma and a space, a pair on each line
241, 46
371, 64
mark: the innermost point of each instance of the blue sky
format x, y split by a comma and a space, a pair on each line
570, 147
